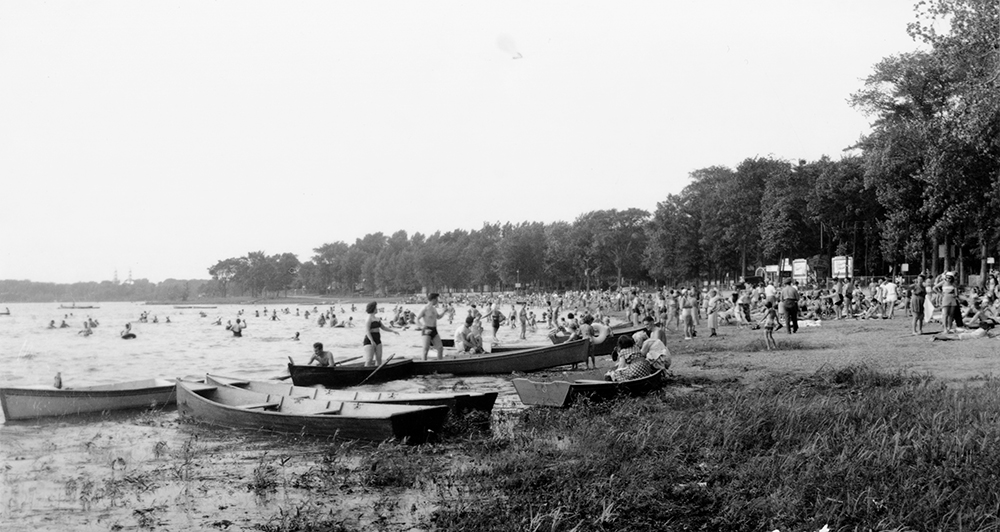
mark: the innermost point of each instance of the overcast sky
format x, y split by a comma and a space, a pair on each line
161, 137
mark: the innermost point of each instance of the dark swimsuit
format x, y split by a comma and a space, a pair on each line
430, 331
374, 328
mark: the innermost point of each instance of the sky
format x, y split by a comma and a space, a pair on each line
157, 138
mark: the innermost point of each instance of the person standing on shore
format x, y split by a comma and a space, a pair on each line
790, 301
918, 293
427, 319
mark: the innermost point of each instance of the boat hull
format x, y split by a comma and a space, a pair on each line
459, 403
30, 403
231, 407
523, 360
609, 343
344, 375
561, 394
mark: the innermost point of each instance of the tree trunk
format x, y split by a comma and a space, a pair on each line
947, 254
982, 259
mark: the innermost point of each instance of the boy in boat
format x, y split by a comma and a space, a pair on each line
466, 340
322, 358
429, 316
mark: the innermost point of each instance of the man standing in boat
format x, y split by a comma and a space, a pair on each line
429, 316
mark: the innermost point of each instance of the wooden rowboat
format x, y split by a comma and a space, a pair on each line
561, 393
229, 406
523, 360
344, 375
607, 345
43, 401
460, 403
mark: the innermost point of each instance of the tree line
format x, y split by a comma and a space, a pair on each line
922, 188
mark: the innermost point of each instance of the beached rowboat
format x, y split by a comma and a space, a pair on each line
44, 401
344, 375
503, 362
606, 344
229, 406
460, 403
562, 393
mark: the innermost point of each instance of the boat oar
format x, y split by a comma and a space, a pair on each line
376, 369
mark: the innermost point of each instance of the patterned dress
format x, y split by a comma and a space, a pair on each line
636, 366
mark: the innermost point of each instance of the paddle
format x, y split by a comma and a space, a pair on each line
376, 369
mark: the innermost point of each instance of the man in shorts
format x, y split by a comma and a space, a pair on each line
429, 316
918, 293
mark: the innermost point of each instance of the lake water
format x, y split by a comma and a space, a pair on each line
64, 473
30, 353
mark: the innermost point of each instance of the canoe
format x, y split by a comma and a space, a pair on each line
229, 406
523, 360
43, 401
609, 343
459, 403
77, 307
562, 394
352, 374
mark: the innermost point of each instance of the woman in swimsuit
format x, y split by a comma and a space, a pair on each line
373, 336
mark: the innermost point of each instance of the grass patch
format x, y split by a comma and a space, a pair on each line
894, 451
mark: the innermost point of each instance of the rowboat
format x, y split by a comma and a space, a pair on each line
43, 401
459, 403
353, 374
77, 307
605, 344
229, 406
502, 362
561, 393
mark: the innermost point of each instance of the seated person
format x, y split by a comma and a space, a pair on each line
631, 362
321, 357
466, 340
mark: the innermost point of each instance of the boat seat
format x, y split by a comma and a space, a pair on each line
262, 406
590, 381
332, 408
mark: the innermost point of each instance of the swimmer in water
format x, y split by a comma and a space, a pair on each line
296, 337
127, 334
238, 327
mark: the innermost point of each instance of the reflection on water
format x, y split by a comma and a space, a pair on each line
145, 469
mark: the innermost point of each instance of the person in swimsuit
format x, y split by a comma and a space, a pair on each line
427, 319
127, 334
373, 336
321, 357
497, 317
770, 322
